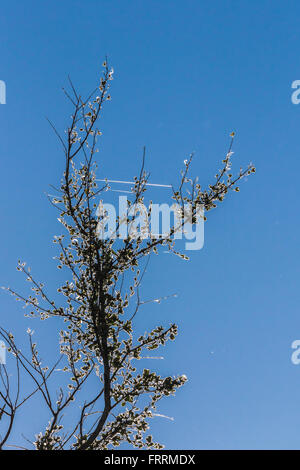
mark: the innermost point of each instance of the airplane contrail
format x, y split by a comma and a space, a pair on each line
133, 182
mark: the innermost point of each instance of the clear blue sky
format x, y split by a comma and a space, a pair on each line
186, 75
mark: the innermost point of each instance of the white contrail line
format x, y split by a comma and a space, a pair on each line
133, 182
163, 416
120, 191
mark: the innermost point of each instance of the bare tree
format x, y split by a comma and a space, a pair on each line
99, 347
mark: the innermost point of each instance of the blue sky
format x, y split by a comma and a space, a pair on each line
186, 75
